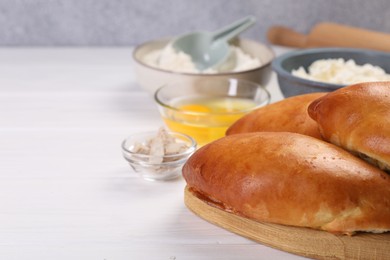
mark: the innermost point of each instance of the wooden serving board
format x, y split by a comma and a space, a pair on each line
301, 241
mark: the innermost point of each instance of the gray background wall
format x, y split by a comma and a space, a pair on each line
130, 22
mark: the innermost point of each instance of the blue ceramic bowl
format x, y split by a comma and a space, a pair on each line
292, 85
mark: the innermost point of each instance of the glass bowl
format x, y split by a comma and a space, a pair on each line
157, 167
206, 108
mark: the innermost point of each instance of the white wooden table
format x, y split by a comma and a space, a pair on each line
65, 190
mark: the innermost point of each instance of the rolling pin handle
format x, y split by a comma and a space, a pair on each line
280, 35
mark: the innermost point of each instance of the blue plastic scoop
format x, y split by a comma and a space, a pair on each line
210, 49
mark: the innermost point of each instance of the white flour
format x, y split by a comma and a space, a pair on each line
168, 59
339, 71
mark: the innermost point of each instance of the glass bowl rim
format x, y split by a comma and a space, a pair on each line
267, 100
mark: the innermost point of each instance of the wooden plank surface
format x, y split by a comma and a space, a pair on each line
65, 190
301, 241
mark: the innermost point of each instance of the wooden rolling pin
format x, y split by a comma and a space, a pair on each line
330, 35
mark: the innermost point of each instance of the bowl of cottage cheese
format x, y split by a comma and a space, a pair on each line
156, 63
327, 69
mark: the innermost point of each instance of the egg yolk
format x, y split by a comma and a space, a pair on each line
195, 108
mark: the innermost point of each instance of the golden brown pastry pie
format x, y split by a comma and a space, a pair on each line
357, 118
288, 115
291, 179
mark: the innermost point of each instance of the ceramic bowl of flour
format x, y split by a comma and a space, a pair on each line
327, 69
156, 64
